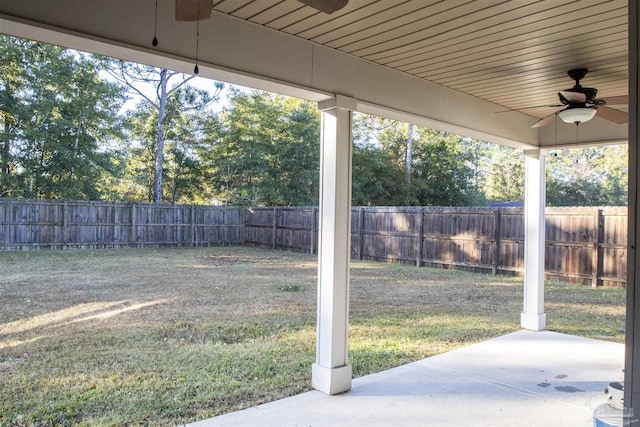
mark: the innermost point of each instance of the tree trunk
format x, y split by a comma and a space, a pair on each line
407, 199
162, 113
5, 164
4, 168
76, 144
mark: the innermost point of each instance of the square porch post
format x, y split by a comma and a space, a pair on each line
632, 343
533, 316
331, 373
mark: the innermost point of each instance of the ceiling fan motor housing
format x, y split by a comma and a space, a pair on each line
590, 93
577, 74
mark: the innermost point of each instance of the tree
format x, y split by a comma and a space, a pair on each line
592, 176
615, 163
504, 179
436, 165
266, 151
167, 87
184, 174
61, 124
12, 74
377, 181
442, 174
408, 164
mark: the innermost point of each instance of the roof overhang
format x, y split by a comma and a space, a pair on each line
241, 52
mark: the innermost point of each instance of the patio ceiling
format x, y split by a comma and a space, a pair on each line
512, 53
450, 65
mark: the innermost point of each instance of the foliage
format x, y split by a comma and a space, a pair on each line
183, 170
61, 129
266, 151
593, 176
62, 135
504, 178
377, 181
171, 112
441, 173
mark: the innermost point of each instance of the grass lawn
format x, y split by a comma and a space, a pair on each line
169, 336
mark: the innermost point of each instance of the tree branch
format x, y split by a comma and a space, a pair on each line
123, 77
179, 85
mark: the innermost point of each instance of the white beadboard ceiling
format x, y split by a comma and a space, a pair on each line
515, 53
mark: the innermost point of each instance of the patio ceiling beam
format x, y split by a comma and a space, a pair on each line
241, 52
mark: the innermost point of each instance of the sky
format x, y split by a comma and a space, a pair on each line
196, 82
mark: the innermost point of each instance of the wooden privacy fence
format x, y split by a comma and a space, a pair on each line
31, 224
586, 245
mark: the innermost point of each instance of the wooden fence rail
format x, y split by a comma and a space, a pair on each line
586, 245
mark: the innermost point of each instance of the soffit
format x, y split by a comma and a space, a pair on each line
514, 53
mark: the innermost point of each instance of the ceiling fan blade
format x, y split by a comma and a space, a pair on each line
193, 10
575, 97
612, 114
545, 121
616, 100
326, 6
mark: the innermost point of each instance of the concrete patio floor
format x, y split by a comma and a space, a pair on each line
521, 379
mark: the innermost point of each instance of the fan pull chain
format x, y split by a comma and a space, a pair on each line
154, 42
195, 69
555, 130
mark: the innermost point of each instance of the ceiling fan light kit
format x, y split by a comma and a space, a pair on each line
577, 115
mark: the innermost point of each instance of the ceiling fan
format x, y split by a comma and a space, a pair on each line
194, 10
197, 10
582, 105
326, 6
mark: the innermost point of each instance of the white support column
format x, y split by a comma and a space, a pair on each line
533, 316
331, 373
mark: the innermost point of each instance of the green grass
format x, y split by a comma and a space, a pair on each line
166, 337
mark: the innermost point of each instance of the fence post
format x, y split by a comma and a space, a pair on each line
193, 225
65, 223
275, 228
419, 242
596, 267
134, 225
243, 226
360, 233
313, 230
496, 241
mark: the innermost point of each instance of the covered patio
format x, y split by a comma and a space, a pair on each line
520, 379
453, 66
